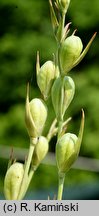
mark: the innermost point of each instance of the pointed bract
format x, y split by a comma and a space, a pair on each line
80, 135
53, 17
84, 51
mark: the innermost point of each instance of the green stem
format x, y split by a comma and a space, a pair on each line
60, 186
60, 120
26, 170
62, 26
60, 126
61, 30
28, 182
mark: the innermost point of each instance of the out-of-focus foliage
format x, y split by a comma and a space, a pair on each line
25, 27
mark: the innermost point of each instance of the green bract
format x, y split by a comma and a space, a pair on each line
13, 180
69, 52
40, 151
35, 116
45, 77
67, 86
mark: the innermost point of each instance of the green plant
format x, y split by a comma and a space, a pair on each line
52, 80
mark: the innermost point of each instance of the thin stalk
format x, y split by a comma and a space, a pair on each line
28, 182
60, 120
60, 187
26, 170
52, 128
62, 25
60, 126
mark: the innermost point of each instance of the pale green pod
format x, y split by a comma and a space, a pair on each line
40, 151
65, 148
69, 91
56, 96
38, 112
62, 94
13, 180
69, 52
45, 77
35, 116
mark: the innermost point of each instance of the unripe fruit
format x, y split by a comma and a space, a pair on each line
65, 86
40, 151
70, 51
45, 77
65, 151
13, 180
38, 111
35, 115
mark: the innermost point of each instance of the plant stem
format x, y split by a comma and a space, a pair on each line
63, 24
26, 170
60, 126
60, 120
60, 186
28, 182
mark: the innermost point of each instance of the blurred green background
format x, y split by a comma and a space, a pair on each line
25, 27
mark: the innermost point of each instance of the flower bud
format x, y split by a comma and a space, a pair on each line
62, 94
70, 51
40, 151
45, 77
35, 116
67, 149
13, 181
64, 5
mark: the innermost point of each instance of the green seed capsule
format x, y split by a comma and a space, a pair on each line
40, 151
65, 151
45, 77
35, 116
38, 112
69, 53
13, 181
62, 94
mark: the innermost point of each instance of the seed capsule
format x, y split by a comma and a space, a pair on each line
62, 94
13, 181
69, 53
67, 149
45, 77
35, 116
40, 151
